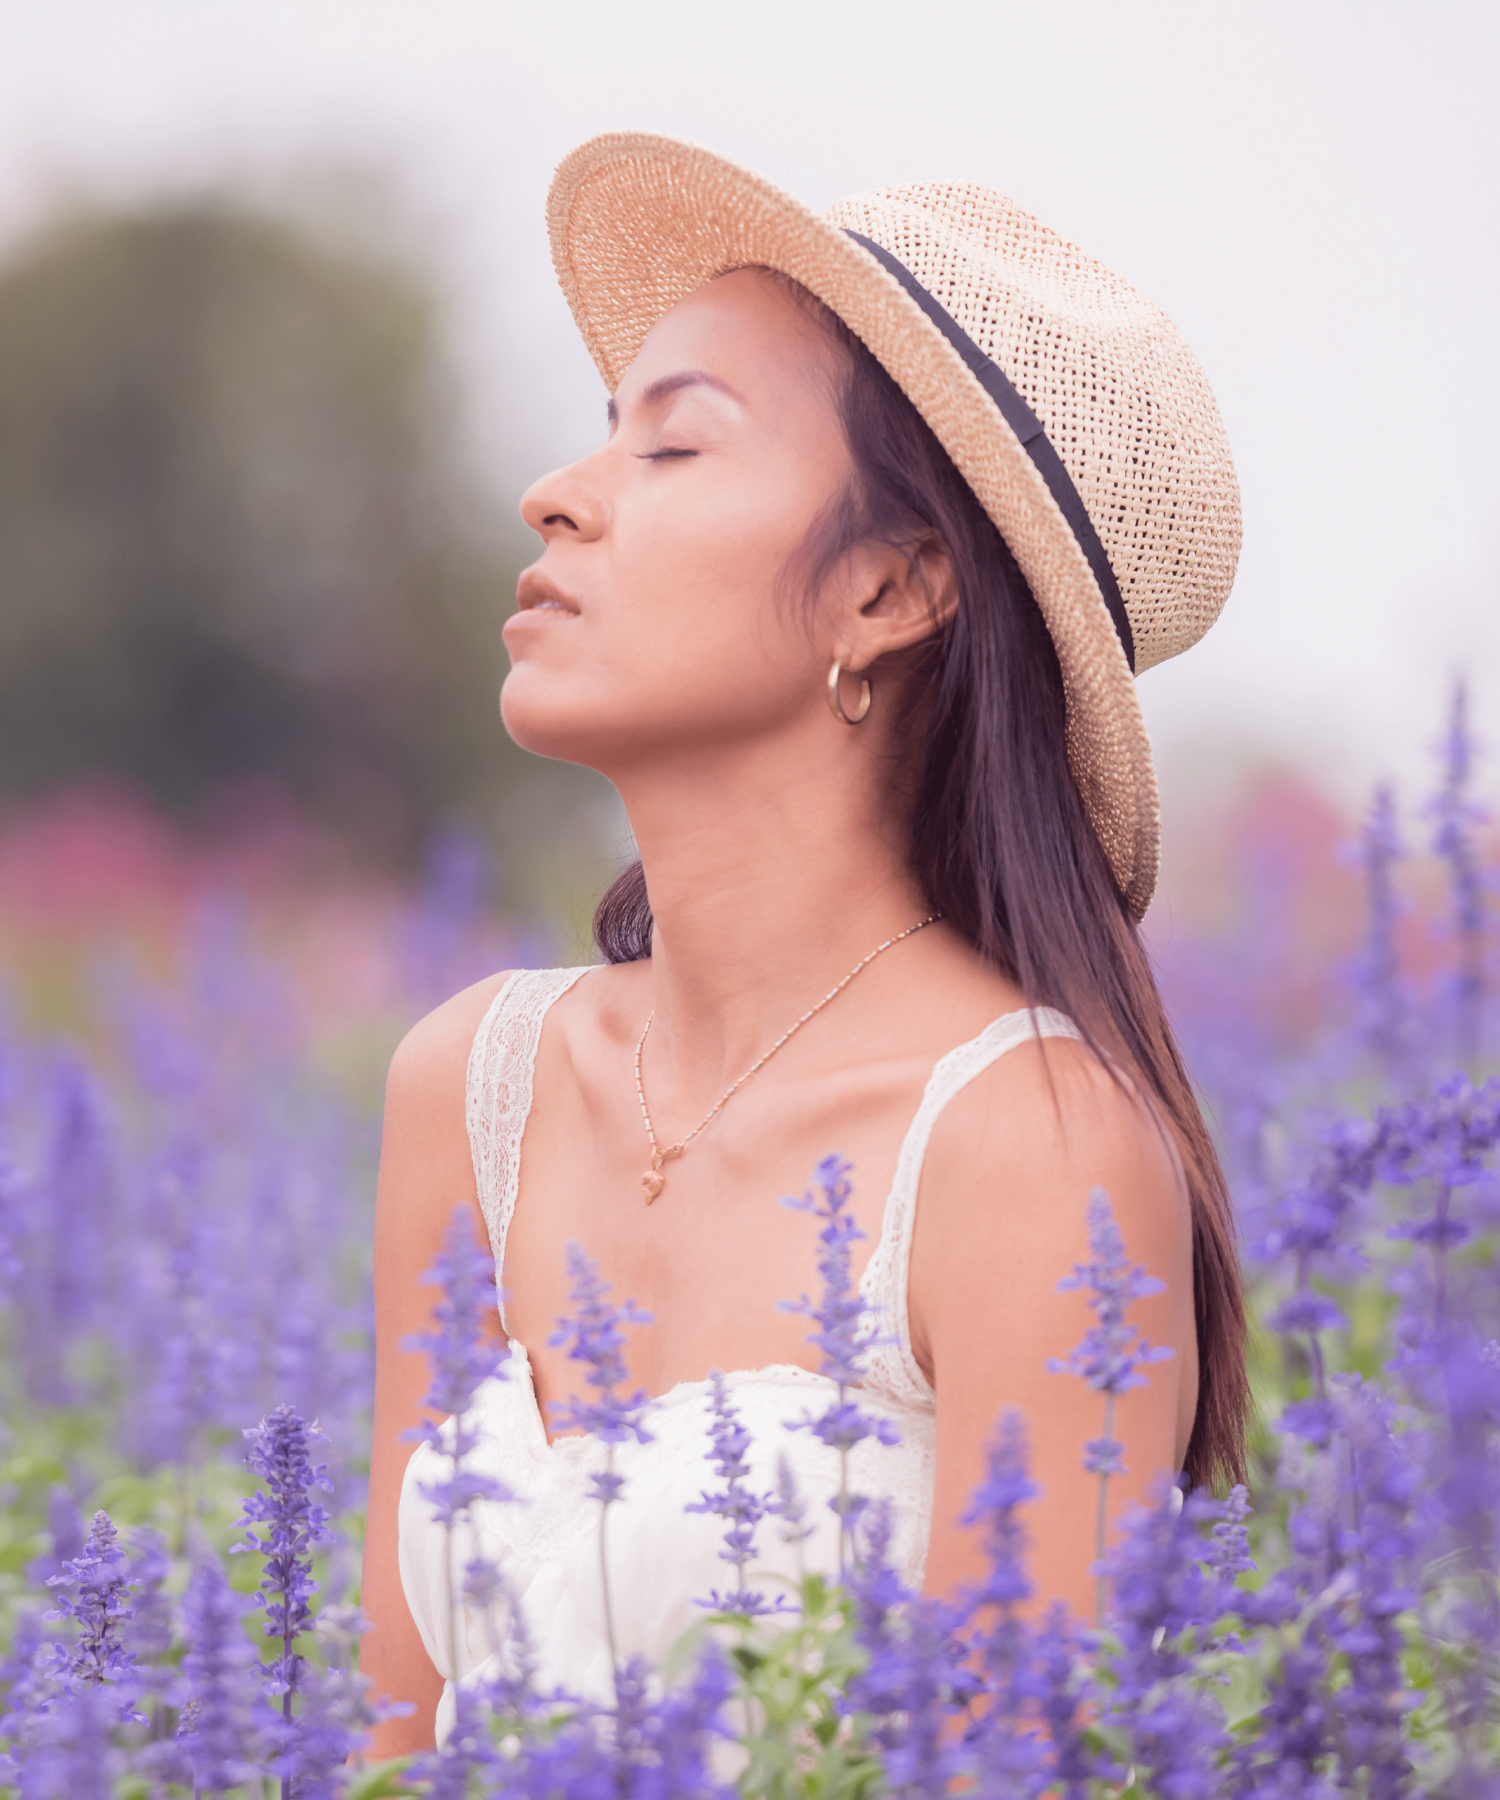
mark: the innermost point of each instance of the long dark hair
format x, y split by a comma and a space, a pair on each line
1000, 840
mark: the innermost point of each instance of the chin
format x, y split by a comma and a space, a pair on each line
552, 724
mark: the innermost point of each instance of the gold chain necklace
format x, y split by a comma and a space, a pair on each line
653, 1181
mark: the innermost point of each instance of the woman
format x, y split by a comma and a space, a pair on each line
846, 607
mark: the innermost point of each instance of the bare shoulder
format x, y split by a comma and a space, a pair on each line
1051, 1108
1004, 1196
437, 1047
426, 1169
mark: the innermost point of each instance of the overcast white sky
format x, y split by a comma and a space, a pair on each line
1309, 189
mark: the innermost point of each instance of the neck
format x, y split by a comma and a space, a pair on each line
771, 874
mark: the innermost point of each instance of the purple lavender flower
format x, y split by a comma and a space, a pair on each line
1459, 1509
1440, 1143
595, 1336
24, 1687
879, 1596
1381, 1547
71, 1754
996, 1505
736, 1501
503, 1705
1289, 1755
280, 1453
840, 1338
462, 1353
1228, 1552
1444, 1140
576, 1759
225, 1725
1314, 1225
67, 1235
469, 1749
1164, 1604
1454, 816
65, 1530
790, 1507
187, 1357
1109, 1355
1009, 1753
151, 1633
338, 1710
661, 1747
1383, 1019
913, 1668
13, 1205
102, 1576
1336, 1695
1059, 1682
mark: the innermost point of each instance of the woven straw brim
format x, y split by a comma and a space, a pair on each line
638, 222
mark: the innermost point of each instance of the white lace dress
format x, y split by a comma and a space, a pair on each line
661, 1558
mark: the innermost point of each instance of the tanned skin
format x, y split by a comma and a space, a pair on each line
657, 642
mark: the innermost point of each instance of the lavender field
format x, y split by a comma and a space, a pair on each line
190, 1067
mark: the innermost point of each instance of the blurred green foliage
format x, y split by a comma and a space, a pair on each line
237, 541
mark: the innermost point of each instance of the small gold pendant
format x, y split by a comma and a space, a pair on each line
653, 1181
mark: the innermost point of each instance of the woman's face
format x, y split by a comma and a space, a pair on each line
655, 617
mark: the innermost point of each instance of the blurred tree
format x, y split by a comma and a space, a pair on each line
234, 538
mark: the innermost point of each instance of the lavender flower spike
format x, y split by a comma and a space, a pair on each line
462, 1352
913, 1669
280, 1452
224, 1723
1109, 1355
24, 1687
1383, 1023
839, 1316
1010, 1756
102, 1576
736, 1501
595, 1336
1455, 818
790, 1507
1007, 1487
1166, 1602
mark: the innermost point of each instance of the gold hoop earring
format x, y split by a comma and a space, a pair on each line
835, 699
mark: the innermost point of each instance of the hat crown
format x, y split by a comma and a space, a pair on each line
1116, 388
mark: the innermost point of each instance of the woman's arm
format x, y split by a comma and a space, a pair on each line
1001, 1217
425, 1171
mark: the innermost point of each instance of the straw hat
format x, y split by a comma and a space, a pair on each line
1068, 401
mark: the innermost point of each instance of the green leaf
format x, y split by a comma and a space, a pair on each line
383, 1782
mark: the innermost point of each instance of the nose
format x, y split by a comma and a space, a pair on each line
565, 504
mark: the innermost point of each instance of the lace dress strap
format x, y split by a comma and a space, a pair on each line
890, 1364
497, 1100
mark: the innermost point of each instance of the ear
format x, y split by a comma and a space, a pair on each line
894, 598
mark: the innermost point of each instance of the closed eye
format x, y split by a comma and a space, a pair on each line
662, 455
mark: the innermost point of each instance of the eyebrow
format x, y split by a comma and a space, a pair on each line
667, 385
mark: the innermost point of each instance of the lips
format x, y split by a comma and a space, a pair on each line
535, 593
